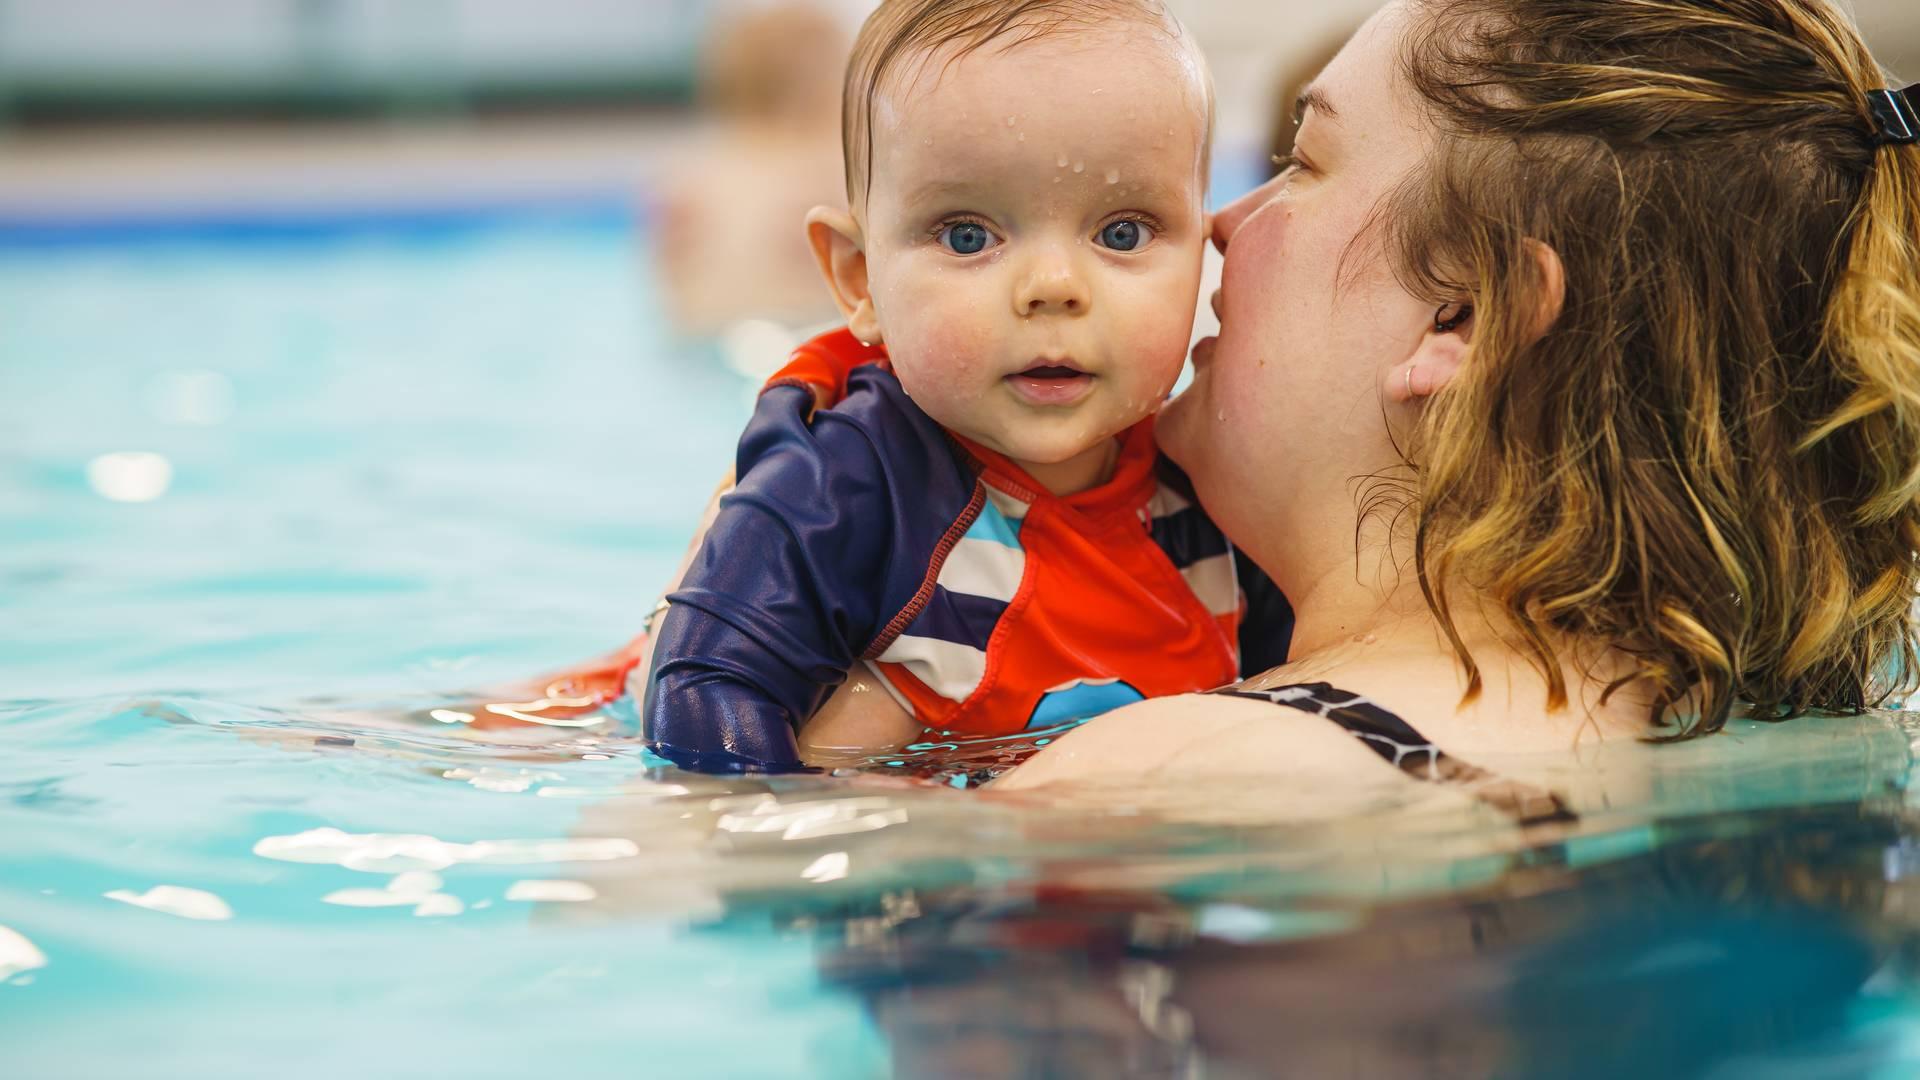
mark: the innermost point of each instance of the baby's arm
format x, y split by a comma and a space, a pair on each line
860, 719
780, 600
821, 369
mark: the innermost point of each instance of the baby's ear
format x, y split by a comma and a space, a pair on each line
841, 251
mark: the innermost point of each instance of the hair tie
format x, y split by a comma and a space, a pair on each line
1896, 116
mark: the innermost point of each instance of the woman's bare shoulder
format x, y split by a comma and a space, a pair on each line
1202, 735
1198, 735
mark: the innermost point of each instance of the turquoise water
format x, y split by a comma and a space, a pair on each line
401, 462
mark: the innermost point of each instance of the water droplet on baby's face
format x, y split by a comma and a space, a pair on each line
1022, 136
1079, 166
1221, 416
1061, 161
1012, 120
1113, 176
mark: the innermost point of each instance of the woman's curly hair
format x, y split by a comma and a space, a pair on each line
1711, 460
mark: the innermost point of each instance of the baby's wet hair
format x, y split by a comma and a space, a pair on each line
902, 29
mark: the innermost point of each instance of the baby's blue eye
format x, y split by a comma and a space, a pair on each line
1125, 235
966, 238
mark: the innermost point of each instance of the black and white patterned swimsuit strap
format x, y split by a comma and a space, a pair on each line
1403, 747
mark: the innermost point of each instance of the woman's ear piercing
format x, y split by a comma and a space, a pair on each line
1443, 325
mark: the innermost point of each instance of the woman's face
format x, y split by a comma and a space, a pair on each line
1286, 406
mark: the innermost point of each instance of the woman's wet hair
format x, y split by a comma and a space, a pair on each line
901, 30
1711, 459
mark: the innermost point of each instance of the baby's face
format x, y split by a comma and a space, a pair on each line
1033, 234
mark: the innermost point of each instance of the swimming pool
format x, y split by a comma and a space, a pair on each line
266, 488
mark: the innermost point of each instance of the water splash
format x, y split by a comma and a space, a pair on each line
394, 852
832, 866
551, 891
176, 900
18, 955
416, 889
130, 476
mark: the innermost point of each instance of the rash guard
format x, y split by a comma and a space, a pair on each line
866, 533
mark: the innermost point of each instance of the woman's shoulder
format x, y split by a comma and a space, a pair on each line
1329, 719
1194, 735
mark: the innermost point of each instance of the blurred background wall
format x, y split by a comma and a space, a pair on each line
94, 57
716, 118
97, 57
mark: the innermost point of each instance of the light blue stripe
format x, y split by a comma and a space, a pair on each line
995, 527
33, 229
1080, 702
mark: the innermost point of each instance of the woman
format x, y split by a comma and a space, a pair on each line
1569, 386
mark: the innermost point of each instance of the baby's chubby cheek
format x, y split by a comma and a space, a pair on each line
1153, 364
938, 346
941, 365
1162, 356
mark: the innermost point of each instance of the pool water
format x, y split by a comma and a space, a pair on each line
265, 496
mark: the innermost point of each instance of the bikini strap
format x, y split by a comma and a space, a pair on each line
1399, 744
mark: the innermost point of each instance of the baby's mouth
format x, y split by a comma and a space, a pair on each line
1051, 384
1052, 371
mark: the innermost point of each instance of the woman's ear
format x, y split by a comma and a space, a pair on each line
1431, 367
841, 252
1553, 289
1443, 350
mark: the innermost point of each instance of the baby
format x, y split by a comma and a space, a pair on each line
978, 529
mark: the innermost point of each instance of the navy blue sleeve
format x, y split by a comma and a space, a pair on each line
1267, 631
784, 595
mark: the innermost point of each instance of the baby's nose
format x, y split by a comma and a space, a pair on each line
1054, 298
1052, 286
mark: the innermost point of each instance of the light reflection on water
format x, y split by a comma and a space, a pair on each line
877, 924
